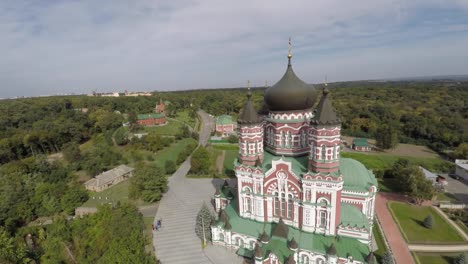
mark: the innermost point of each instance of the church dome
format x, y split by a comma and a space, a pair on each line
290, 93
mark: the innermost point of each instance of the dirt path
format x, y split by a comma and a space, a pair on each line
220, 162
397, 244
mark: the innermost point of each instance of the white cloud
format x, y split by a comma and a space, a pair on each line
71, 46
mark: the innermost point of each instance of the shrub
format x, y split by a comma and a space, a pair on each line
428, 221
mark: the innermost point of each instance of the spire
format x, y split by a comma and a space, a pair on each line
217, 193
248, 114
370, 259
290, 260
264, 237
227, 226
281, 230
289, 52
331, 250
293, 244
325, 114
258, 251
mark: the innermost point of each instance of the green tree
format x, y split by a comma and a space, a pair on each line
460, 259
428, 221
200, 161
232, 139
121, 136
148, 183
203, 223
170, 166
386, 137
71, 152
75, 196
461, 152
387, 258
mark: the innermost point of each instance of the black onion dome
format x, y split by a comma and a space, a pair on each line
293, 244
258, 251
331, 250
248, 114
290, 93
290, 260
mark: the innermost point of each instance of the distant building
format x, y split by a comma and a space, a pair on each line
151, 119
361, 144
109, 178
224, 125
434, 178
461, 168
137, 93
160, 108
156, 119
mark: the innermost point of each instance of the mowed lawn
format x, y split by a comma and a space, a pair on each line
170, 129
435, 258
380, 242
183, 116
410, 221
171, 152
381, 161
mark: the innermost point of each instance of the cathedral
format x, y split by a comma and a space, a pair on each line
295, 200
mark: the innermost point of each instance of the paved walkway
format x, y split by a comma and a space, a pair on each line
397, 244
438, 248
176, 241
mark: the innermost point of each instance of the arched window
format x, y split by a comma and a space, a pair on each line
277, 206
240, 242
323, 219
248, 205
252, 244
305, 259
334, 152
221, 237
290, 206
320, 261
324, 152
283, 205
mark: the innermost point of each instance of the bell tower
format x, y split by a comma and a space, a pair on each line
324, 137
250, 131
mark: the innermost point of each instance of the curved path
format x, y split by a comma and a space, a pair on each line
176, 241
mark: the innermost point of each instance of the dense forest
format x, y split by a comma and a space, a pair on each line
34, 185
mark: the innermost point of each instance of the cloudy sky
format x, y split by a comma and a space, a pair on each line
53, 46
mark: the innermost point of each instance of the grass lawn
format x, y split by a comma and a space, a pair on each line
171, 129
380, 161
445, 196
183, 116
410, 218
114, 194
435, 258
462, 225
228, 165
380, 242
148, 220
171, 152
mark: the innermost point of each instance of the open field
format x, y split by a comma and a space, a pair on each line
411, 150
435, 258
380, 242
116, 193
183, 116
410, 221
384, 161
170, 129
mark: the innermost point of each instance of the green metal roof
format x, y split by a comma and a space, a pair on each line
305, 240
224, 120
245, 252
356, 176
149, 116
299, 164
360, 142
350, 215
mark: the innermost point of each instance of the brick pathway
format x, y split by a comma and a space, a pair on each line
398, 245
